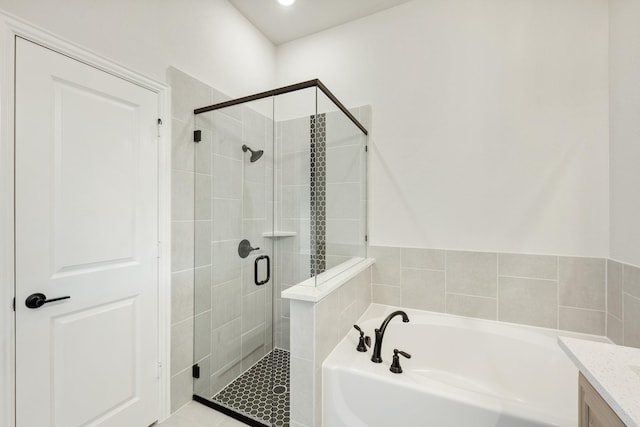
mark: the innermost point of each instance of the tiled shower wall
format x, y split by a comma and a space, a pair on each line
231, 328
590, 295
623, 303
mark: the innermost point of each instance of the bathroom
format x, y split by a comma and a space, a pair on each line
497, 130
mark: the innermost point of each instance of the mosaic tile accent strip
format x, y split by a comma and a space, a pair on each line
318, 150
262, 392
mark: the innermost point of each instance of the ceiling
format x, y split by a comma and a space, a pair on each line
285, 23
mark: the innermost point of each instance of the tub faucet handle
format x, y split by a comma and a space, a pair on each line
364, 342
395, 365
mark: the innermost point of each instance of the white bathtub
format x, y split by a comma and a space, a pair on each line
464, 373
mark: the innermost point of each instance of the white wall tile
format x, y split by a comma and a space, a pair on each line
182, 146
202, 289
227, 219
343, 201
386, 270
528, 301
202, 336
302, 391
226, 302
343, 163
614, 330
472, 306
181, 389
302, 329
226, 136
253, 310
631, 320
531, 266
385, 294
472, 273
181, 345
423, 289
181, 296
225, 343
581, 320
202, 197
632, 280
203, 152
253, 340
227, 177
202, 251
327, 327
614, 288
582, 282
182, 195
430, 259
182, 241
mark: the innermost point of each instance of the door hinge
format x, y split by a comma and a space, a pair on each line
14, 304
197, 135
366, 148
366, 238
195, 371
159, 124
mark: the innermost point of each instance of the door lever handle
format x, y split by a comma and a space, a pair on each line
38, 300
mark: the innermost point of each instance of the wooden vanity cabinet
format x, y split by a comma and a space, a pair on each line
593, 410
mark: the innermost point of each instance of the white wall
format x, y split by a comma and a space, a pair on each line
624, 87
208, 39
490, 120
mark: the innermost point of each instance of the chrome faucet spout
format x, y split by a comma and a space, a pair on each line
377, 348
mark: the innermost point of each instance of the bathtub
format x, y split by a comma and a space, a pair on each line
463, 373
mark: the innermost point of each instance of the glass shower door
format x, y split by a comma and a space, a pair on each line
234, 256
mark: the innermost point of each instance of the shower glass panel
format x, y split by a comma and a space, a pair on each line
280, 190
341, 169
292, 113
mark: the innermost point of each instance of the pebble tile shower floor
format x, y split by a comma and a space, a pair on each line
262, 392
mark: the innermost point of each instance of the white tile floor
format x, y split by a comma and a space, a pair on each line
196, 415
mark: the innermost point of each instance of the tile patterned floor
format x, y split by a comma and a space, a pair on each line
262, 392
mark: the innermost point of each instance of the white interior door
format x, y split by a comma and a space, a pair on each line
86, 227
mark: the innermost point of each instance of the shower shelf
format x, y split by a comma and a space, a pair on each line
275, 234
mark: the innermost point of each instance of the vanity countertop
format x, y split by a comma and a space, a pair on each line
613, 370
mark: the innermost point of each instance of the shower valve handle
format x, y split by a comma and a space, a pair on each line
244, 248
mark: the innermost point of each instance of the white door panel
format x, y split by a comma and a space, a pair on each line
86, 227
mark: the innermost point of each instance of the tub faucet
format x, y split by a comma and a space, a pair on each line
377, 348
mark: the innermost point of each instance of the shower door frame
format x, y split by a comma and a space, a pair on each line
286, 89
10, 28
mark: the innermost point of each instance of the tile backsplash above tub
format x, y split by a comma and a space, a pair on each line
579, 294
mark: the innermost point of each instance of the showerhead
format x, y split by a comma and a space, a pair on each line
255, 155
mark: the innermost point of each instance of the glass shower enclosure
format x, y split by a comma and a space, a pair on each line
280, 199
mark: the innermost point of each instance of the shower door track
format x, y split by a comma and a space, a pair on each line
229, 412
286, 89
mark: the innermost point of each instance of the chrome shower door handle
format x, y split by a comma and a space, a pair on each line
255, 270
